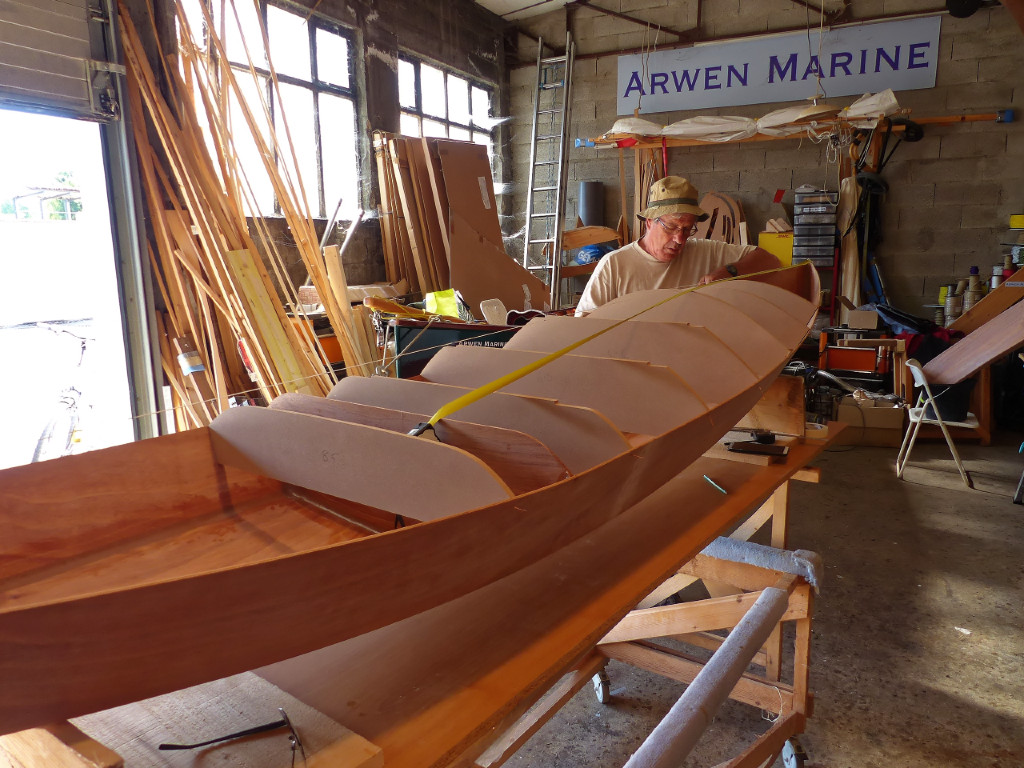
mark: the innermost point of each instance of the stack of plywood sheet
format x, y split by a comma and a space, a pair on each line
439, 220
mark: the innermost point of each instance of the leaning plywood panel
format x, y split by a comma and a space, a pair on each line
343, 459
986, 344
581, 437
470, 190
522, 462
481, 270
593, 382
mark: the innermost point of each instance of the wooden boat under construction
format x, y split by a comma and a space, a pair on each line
142, 569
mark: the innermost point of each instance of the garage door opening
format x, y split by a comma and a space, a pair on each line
65, 385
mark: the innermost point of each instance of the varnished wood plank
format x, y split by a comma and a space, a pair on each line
40, 503
996, 301
781, 409
41, 748
997, 337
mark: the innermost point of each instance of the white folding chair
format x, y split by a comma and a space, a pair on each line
917, 418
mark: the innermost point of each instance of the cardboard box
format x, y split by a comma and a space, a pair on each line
862, 320
870, 423
779, 244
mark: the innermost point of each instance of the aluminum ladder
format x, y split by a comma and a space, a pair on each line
549, 155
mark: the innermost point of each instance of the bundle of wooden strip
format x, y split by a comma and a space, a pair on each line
414, 211
222, 307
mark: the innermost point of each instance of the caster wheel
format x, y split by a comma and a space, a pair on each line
793, 755
602, 687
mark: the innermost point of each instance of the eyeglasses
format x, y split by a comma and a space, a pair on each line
673, 231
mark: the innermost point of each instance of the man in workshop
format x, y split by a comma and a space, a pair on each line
668, 256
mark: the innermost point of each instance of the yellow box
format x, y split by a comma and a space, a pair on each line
779, 244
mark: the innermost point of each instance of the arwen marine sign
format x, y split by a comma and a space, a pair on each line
849, 60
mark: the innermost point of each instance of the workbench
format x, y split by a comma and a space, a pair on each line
443, 686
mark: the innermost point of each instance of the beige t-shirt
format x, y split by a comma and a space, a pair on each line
631, 268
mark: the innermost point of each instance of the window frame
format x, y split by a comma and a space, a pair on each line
316, 86
471, 82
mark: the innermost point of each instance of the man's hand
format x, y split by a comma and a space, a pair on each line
719, 274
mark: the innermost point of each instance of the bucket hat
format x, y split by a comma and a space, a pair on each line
672, 194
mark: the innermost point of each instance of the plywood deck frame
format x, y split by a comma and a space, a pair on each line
151, 619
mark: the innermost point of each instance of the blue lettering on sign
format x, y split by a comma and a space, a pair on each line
688, 79
735, 72
634, 84
841, 61
918, 51
659, 80
894, 63
813, 69
774, 68
711, 78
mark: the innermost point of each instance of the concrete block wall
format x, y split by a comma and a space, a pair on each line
950, 194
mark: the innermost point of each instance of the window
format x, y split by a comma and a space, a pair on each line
435, 102
316, 104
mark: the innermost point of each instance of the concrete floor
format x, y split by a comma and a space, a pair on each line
918, 650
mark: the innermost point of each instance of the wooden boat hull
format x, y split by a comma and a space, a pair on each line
75, 645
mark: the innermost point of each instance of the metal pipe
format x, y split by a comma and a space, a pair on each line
678, 732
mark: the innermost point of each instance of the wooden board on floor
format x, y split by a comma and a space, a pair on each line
581, 437
220, 708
